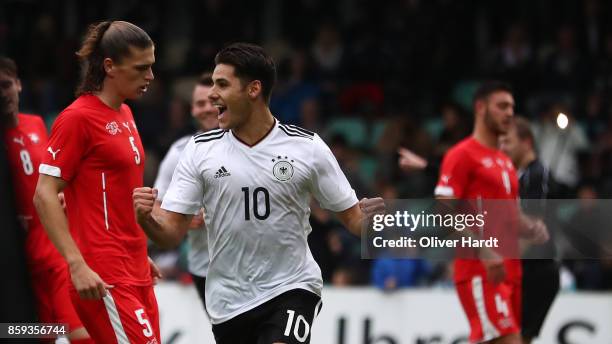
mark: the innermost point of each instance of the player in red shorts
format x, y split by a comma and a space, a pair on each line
489, 289
96, 157
25, 137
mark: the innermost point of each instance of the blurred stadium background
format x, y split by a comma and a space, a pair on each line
369, 76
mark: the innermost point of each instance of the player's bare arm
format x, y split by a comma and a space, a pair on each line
88, 283
354, 217
165, 228
197, 222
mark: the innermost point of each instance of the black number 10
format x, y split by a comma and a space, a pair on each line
247, 210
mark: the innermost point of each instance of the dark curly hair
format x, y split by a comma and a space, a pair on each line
250, 62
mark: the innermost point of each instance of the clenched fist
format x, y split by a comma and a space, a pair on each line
144, 200
372, 206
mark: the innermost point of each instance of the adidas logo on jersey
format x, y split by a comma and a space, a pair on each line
222, 172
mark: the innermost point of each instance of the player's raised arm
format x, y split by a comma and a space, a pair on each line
88, 284
165, 228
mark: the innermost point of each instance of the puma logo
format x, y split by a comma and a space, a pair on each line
19, 140
127, 126
52, 152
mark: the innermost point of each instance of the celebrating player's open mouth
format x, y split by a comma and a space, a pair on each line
222, 108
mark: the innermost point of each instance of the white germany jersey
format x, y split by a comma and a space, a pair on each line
256, 201
197, 256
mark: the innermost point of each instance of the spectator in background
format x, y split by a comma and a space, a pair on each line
602, 69
293, 90
455, 127
328, 51
323, 249
592, 118
586, 231
178, 123
513, 60
564, 65
390, 274
328, 55
311, 115
559, 148
349, 268
593, 25
349, 163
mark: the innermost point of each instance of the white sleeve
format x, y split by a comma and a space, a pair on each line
167, 166
186, 189
329, 184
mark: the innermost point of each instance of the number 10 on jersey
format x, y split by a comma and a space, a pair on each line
256, 210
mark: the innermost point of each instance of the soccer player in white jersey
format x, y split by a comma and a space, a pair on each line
255, 178
205, 115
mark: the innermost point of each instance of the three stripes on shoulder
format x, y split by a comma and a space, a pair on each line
289, 129
210, 135
293, 130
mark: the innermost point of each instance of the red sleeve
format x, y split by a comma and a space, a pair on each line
454, 174
67, 146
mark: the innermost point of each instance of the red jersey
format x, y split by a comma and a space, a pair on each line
97, 151
471, 171
26, 145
